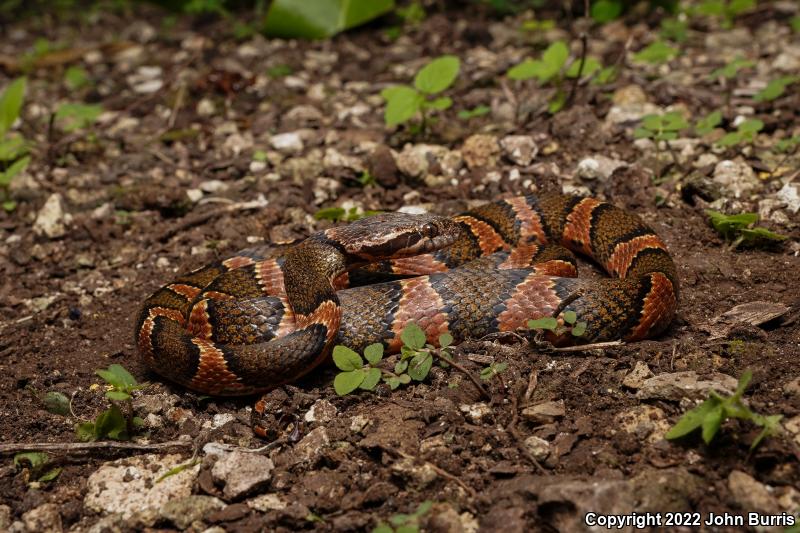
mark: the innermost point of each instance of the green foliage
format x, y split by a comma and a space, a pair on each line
710, 415
74, 117
76, 78
36, 462
412, 14
706, 125
656, 53
279, 71
732, 68
13, 146
738, 229
56, 403
795, 23
405, 523
661, 127
549, 323
340, 214
317, 19
478, 111
746, 132
112, 423
674, 29
492, 370
775, 88
788, 145
404, 102
603, 11
354, 372
727, 10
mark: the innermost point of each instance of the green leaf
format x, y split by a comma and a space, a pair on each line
557, 102
334, 214
771, 427
393, 383
56, 403
656, 53
117, 376
413, 336
50, 475
18, 166
752, 125
9, 205
675, 29
317, 19
420, 366
437, 75
606, 10
383, 527
111, 423
590, 66
673, 121
374, 353
556, 55
579, 329
402, 103
12, 147
346, 359
440, 104
73, 117
117, 395
526, 70
75, 77
606, 75
730, 139
707, 124
691, 420
478, 111
347, 382
548, 323
774, 89
30, 459
732, 68
642, 133
11, 103
570, 317
711, 423
405, 379
401, 366
445, 340
373, 376
85, 431
795, 23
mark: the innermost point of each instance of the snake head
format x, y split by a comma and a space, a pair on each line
393, 235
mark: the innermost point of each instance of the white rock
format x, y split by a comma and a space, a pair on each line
322, 411
194, 195
206, 107
643, 421
476, 412
146, 79
183, 512
736, 177
43, 519
334, 158
127, 486
213, 186
242, 473
537, 447
519, 149
312, 445
636, 377
750, 494
545, 412
358, 423
266, 502
287, 143
52, 219
788, 195
238, 143
220, 419
415, 160
480, 150
413, 209
598, 167
678, 385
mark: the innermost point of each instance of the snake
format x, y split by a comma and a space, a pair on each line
268, 315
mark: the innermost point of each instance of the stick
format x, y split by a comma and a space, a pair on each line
512, 429
592, 346
70, 447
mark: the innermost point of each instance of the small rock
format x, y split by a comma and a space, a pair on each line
480, 151
630, 105
545, 413
43, 519
420, 160
537, 447
220, 419
382, 167
182, 512
322, 411
146, 80
155, 403
598, 167
304, 115
792, 388
630, 94
476, 412
358, 423
751, 495
519, 149
52, 219
735, 177
636, 377
5, 517
678, 385
422, 475
310, 447
206, 107
128, 486
267, 502
194, 195
213, 186
643, 421
335, 159
242, 473
788, 194
287, 143
788, 60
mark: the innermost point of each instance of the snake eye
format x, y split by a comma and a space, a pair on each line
429, 230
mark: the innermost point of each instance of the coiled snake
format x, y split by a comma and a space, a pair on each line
265, 317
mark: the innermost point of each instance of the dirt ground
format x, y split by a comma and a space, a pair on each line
183, 167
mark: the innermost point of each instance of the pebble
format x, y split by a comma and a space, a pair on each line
213, 186
678, 385
310, 447
418, 160
322, 411
636, 377
358, 423
43, 519
242, 473
128, 486
334, 159
182, 512
545, 413
750, 494
736, 177
643, 421
476, 412
788, 194
537, 447
598, 167
421, 474
194, 195
52, 219
519, 149
146, 79
267, 502
287, 143
630, 105
480, 151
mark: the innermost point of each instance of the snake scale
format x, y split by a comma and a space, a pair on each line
266, 316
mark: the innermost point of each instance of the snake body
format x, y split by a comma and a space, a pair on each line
265, 317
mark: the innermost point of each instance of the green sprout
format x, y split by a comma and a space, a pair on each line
405, 523
656, 53
571, 323
113, 423
739, 230
36, 463
775, 88
745, 133
14, 156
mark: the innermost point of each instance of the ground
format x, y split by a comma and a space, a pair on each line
208, 144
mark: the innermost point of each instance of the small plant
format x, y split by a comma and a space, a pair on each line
603, 11
416, 360
727, 10
478, 111
366, 178
340, 214
775, 88
74, 117
795, 23
14, 156
710, 415
788, 145
493, 370
731, 69
571, 324
675, 29
112, 423
404, 102
708, 123
405, 523
738, 229
36, 463
656, 53
661, 128
76, 78
413, 14
279, 71
745, 133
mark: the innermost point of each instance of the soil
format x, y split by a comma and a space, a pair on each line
68, 301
